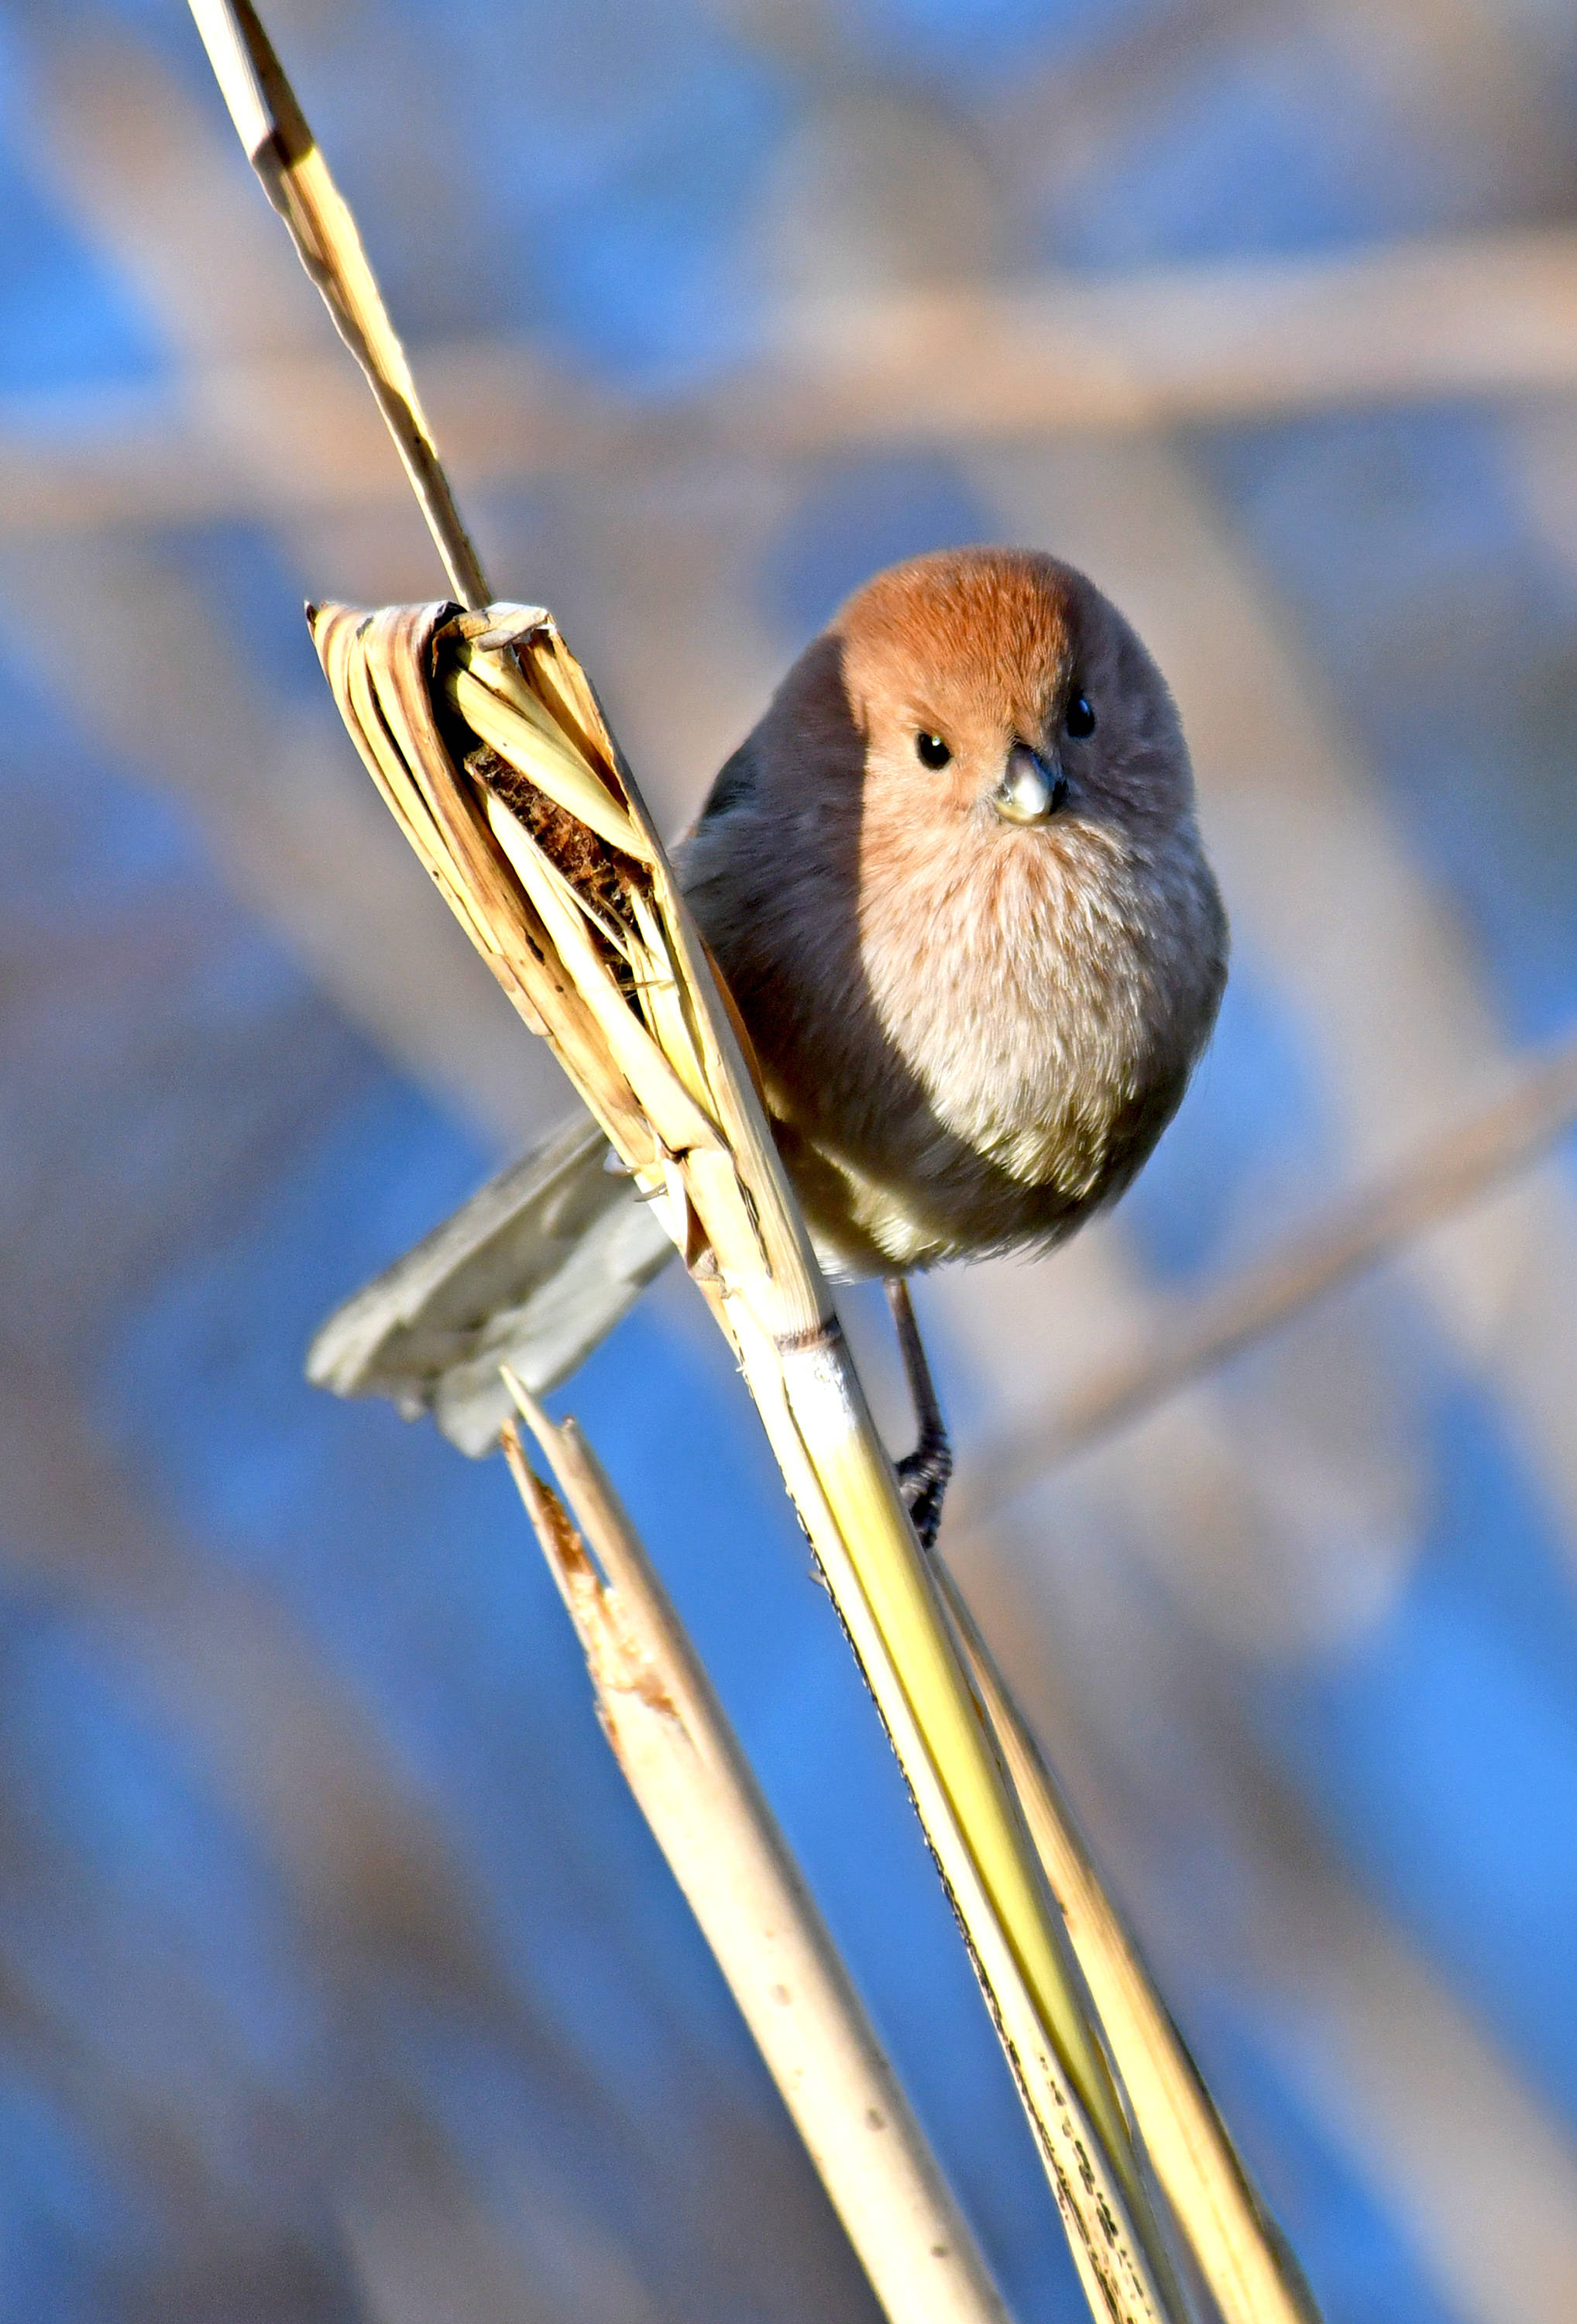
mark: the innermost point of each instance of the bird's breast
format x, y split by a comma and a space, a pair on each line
1013, 984
960, 1043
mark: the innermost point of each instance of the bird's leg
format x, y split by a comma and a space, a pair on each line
922, 1474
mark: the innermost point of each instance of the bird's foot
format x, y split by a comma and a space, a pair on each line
922, 1474
922, 1480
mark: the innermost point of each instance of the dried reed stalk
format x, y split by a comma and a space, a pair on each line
489, 747
281, 148
690, 1779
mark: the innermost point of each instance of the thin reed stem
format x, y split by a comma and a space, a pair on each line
692, 1782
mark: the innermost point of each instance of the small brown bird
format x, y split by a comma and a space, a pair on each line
956, 885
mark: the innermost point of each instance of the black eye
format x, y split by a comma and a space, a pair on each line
931, 751
1080, 720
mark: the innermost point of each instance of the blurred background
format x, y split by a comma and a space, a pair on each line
339, 1977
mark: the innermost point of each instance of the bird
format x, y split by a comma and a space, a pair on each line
954, 882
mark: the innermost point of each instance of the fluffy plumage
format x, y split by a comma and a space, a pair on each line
977, 988
972, 1029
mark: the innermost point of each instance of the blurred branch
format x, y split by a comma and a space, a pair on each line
1354, 1236
282, 808
1429, 2099
1487, 316
692, 1782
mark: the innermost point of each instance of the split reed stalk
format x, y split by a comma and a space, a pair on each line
691, 1780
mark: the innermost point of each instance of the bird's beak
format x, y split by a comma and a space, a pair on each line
1031, 791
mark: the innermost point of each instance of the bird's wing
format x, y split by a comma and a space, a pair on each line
533, 1271
734, 786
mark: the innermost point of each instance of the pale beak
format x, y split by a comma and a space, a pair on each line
1030, 790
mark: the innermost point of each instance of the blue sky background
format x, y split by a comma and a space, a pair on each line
339, 1978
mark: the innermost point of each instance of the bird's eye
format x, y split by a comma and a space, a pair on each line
1080, 720
931, 751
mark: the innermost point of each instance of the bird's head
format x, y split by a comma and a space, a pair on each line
999, 696
955, 880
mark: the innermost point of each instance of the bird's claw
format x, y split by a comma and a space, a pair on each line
922, 1480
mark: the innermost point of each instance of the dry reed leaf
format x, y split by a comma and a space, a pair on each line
549, 762
374, 663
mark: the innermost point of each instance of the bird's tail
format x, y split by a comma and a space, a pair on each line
533, 1271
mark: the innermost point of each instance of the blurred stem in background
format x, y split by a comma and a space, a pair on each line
1358, 1233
